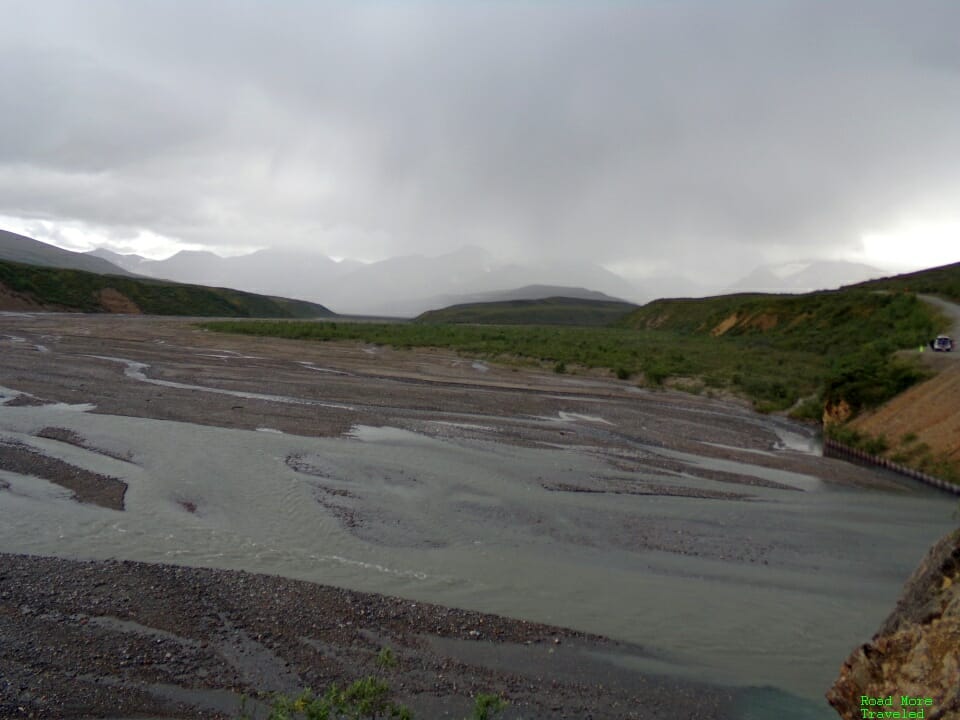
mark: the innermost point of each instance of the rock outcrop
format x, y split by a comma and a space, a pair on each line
916, 652
836, 413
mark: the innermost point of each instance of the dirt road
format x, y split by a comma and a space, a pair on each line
928, 414
952, 311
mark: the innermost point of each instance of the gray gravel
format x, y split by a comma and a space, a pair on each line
112, 639
86, 486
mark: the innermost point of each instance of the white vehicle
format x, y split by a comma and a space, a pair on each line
943, 344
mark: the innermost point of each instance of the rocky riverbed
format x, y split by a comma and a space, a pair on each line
114, 638
708, 561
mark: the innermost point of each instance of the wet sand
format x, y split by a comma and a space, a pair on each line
731, 565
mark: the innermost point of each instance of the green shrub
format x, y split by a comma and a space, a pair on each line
845, 435
810, 408
366, 699
876, 445
655, 374
487, 706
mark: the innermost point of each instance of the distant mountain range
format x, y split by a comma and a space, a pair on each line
528, 292
805, 276
411, 284
401, 286
408, 285
19, 248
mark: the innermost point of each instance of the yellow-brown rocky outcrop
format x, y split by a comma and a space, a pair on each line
916, 652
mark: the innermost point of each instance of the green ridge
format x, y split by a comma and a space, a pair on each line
943, 281
76, 290
545, 311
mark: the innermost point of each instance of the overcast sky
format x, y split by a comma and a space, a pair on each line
682, 136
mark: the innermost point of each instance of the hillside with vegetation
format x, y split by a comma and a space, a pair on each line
47, 288
797, 353
943, 281
545, 311
856, 332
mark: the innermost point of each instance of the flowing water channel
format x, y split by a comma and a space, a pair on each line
770, 592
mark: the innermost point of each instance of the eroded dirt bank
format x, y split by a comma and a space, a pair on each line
927, 413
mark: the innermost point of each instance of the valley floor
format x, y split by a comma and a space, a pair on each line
179, 508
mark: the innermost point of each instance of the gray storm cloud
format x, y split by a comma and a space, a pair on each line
697, 135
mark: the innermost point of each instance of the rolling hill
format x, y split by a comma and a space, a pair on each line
943, 281
33, 287
542, 311
527, 292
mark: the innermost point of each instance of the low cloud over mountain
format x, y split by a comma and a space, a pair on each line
405, 285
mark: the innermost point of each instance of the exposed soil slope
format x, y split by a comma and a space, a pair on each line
930, 411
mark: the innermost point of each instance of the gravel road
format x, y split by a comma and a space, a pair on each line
951, 310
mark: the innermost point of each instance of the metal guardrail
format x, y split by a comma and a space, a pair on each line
832, 448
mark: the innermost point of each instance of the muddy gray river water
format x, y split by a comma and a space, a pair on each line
771, 591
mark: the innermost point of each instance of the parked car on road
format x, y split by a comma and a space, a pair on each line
943, 344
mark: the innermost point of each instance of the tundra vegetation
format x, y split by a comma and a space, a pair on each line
784, 353
828, 354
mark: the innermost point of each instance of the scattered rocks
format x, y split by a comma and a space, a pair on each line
81, 639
